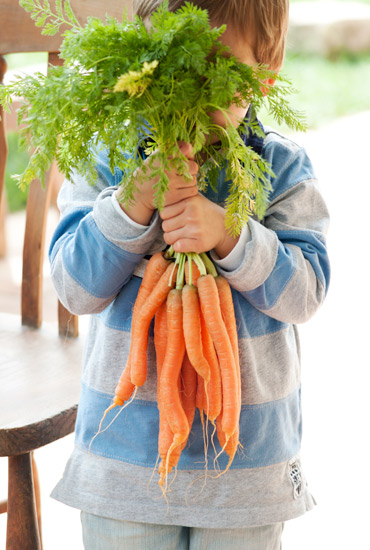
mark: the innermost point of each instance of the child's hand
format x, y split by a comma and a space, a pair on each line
196, 224
179, 189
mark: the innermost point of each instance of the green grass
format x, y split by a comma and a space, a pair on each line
17, 162
327, 89
19, 60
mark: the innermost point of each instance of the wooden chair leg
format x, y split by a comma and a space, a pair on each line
22, 528
36, 485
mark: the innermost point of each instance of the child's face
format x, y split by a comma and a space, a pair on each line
243, 51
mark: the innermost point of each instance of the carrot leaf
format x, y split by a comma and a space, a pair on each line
125, 84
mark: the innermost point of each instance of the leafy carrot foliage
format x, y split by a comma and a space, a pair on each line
124, 84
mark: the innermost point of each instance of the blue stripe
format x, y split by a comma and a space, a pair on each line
313, 249
270, 433
290, 164
266, 295
89, 257
67, 226
118, 314
252, 323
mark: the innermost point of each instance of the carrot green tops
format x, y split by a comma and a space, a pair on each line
120, 78
279, 275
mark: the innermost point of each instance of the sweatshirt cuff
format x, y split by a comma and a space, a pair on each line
120, 230
235, 258
260, 254
125, 216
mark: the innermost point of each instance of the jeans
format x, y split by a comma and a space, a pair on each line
108, 534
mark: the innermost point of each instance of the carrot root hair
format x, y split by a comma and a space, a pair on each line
112, 406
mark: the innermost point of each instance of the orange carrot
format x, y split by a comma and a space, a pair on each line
210, 304
231, 445
228, 315
153, 272
214, 388
139, 342
200, 399
160, 337
165, 441
165, 435
188, 389
125, 387
192, 331
169, 395
194, 272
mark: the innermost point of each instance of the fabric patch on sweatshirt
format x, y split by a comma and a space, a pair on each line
295, 476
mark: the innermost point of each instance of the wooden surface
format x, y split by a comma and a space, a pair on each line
37, 492
21, 35
68, 323
40, 385
33, 251
22, 526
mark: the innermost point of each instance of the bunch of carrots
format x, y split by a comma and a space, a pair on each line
196, 348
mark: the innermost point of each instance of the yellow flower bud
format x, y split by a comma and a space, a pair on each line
136, 82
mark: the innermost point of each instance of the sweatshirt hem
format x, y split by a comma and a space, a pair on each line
179, 515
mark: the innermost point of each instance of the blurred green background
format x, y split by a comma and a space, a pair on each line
325, 90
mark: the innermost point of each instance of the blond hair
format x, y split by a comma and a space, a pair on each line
263, 22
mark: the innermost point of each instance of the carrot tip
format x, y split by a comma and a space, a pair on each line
118, 401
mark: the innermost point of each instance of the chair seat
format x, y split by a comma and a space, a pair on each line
40, 385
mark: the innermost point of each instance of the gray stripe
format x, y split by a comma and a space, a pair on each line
274, 376
78, 193
276, 373
312, 214
114, 489
104, 363
302, 295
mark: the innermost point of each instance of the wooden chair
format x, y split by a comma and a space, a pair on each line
40, 363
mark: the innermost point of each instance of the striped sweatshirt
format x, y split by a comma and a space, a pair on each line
279, 277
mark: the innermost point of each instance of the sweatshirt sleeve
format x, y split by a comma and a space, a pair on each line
284, 271
95, 250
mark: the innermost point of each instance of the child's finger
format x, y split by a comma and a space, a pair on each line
179, 196
188, 245
174, 204
193, 167
186, 149
178, 235
173, 224
179, 182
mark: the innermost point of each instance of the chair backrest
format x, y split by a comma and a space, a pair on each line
18, 33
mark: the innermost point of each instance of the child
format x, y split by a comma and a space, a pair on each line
278, 270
